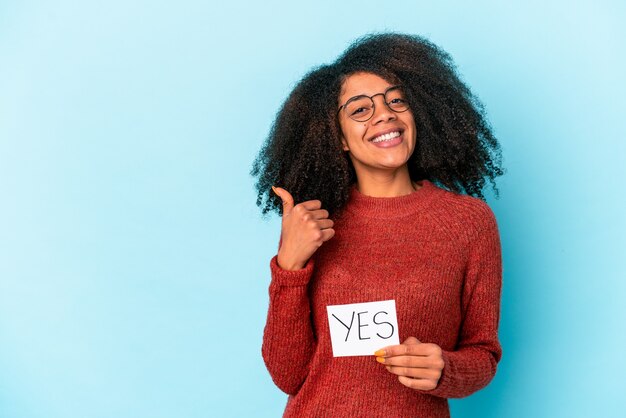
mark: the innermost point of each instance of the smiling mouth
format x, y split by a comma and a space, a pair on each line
386, 137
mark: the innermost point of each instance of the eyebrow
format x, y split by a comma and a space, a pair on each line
397, 86
355, 97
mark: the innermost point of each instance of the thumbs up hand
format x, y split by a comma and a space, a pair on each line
305, 227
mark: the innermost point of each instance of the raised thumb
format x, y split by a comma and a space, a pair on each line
286, 197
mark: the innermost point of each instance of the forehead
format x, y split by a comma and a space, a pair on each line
362, 83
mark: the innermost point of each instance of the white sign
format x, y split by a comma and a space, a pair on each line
359, 329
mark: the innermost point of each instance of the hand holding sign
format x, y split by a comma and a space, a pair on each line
418, 365
305, 227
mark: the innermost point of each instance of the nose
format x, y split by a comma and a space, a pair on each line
382, 113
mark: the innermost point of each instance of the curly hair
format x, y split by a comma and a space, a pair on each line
455, 147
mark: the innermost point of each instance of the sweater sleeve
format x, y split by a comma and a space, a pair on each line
472, 365
288, 339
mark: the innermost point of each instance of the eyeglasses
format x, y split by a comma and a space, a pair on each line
361, 108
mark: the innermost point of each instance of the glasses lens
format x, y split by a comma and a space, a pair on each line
396, 101
360, 109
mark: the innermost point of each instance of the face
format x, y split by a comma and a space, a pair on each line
384, 142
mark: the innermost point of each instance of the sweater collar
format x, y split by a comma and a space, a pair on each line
391, 207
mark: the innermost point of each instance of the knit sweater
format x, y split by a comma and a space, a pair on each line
437, 254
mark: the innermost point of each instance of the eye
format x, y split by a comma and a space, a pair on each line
358, 110
397, 100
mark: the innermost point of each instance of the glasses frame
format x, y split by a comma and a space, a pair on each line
361, 96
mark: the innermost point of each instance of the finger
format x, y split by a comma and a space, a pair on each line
327, 234
414, 372
325, 223
408, 361
417, 384
287, 199
308, 217
312, 204
403, 350
320, 214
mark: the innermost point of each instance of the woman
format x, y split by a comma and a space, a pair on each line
381, 158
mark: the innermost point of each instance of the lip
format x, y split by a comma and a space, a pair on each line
386, 131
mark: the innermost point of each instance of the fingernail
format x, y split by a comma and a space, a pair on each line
380, 359
274, 189
380, 353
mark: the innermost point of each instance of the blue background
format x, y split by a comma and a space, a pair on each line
134, 262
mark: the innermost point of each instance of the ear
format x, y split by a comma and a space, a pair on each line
344, 144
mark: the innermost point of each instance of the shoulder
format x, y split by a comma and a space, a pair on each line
462, 214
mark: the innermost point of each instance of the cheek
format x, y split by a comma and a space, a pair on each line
353, 134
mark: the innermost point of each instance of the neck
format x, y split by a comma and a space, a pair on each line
386, 184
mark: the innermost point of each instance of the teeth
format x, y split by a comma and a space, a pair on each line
386, 137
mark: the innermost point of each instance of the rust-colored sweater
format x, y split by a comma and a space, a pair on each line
438, 255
